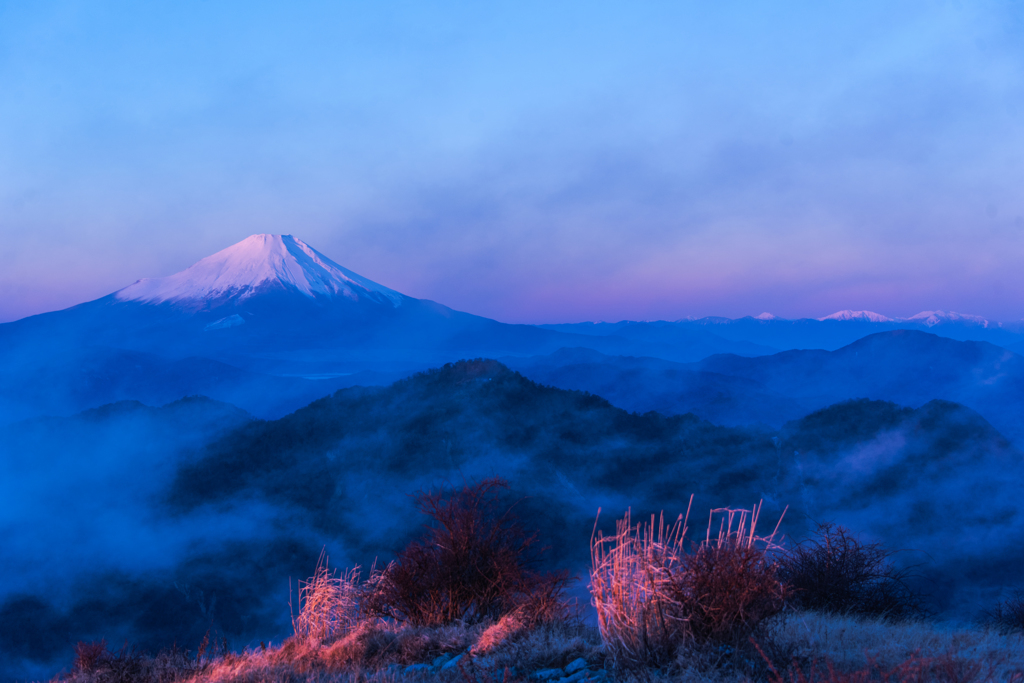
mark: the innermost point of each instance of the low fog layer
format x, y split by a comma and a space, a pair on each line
157, 524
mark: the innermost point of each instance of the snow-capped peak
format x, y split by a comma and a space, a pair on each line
862, 316
932, 318
255, 264
764, 316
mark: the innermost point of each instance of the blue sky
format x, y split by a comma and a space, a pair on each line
531, 162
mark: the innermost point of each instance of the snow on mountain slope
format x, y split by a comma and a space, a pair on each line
867, 316
932, 318
255, 264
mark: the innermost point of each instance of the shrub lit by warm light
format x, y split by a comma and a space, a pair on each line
657, 593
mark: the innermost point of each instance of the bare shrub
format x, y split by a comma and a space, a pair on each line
834, 572
728, 584
473, 563
654, 598
129, 664
91, 656
1008, 616
211, 648
96, 663
329, 604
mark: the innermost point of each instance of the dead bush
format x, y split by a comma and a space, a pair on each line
834, 572
1008, 616
728, 589
96, 663
89, 657
655, 597
474, 562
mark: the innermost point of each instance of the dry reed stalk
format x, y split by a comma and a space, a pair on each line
329, 604
654, 598
743, 536
628, 577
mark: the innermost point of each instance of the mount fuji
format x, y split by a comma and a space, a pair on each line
272, 303
260, 264
267, 324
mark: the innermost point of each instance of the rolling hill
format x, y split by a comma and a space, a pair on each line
156, 524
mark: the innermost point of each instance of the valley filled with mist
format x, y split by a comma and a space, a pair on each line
174, 456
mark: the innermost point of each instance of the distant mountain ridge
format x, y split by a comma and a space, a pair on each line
270, 322
280, 314
929, 318
909, 367
829, 332
867, 316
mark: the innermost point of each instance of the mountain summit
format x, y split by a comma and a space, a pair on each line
270, 304
258, 264
862, 316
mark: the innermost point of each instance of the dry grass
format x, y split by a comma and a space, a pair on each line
382, 651
499, 633
819, 647
372, 649
549, 646
669, 608
852, 643
628, 580
657, 599
330, 603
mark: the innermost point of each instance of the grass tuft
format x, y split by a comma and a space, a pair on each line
330, 603
656, 598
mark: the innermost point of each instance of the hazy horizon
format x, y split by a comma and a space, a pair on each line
763, 314
526, 162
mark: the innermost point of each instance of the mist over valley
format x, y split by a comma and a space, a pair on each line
176, 454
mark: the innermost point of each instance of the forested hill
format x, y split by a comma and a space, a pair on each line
875, 466
212, 511
570, 449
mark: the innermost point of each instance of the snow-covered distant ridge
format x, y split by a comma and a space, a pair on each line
932, 318
929, 318
256, 264
865, 316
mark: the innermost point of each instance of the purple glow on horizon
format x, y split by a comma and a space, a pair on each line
526, 162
